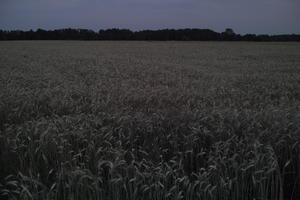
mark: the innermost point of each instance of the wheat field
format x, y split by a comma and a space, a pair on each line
149, 120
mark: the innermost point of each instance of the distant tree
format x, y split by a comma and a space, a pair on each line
41, 34
116, 34
228, 35
229, 31
126, 34
249, 37
2, 35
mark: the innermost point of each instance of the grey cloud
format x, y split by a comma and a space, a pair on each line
256, 16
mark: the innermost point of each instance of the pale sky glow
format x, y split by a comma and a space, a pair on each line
244, 16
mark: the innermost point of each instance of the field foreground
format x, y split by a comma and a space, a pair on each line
149, 120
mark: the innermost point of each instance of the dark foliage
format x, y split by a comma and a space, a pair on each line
126, 34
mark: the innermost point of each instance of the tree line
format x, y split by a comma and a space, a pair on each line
126, 34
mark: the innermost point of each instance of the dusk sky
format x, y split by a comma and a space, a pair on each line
244, 16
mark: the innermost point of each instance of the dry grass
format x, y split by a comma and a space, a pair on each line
149, 120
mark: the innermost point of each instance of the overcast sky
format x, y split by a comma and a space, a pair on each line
244, 16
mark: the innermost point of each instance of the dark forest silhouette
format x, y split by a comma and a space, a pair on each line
126, 34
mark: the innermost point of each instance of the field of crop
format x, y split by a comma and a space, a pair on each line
149, 120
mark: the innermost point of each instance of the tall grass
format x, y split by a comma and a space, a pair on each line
151, 121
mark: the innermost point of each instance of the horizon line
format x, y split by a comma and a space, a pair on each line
140, 30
